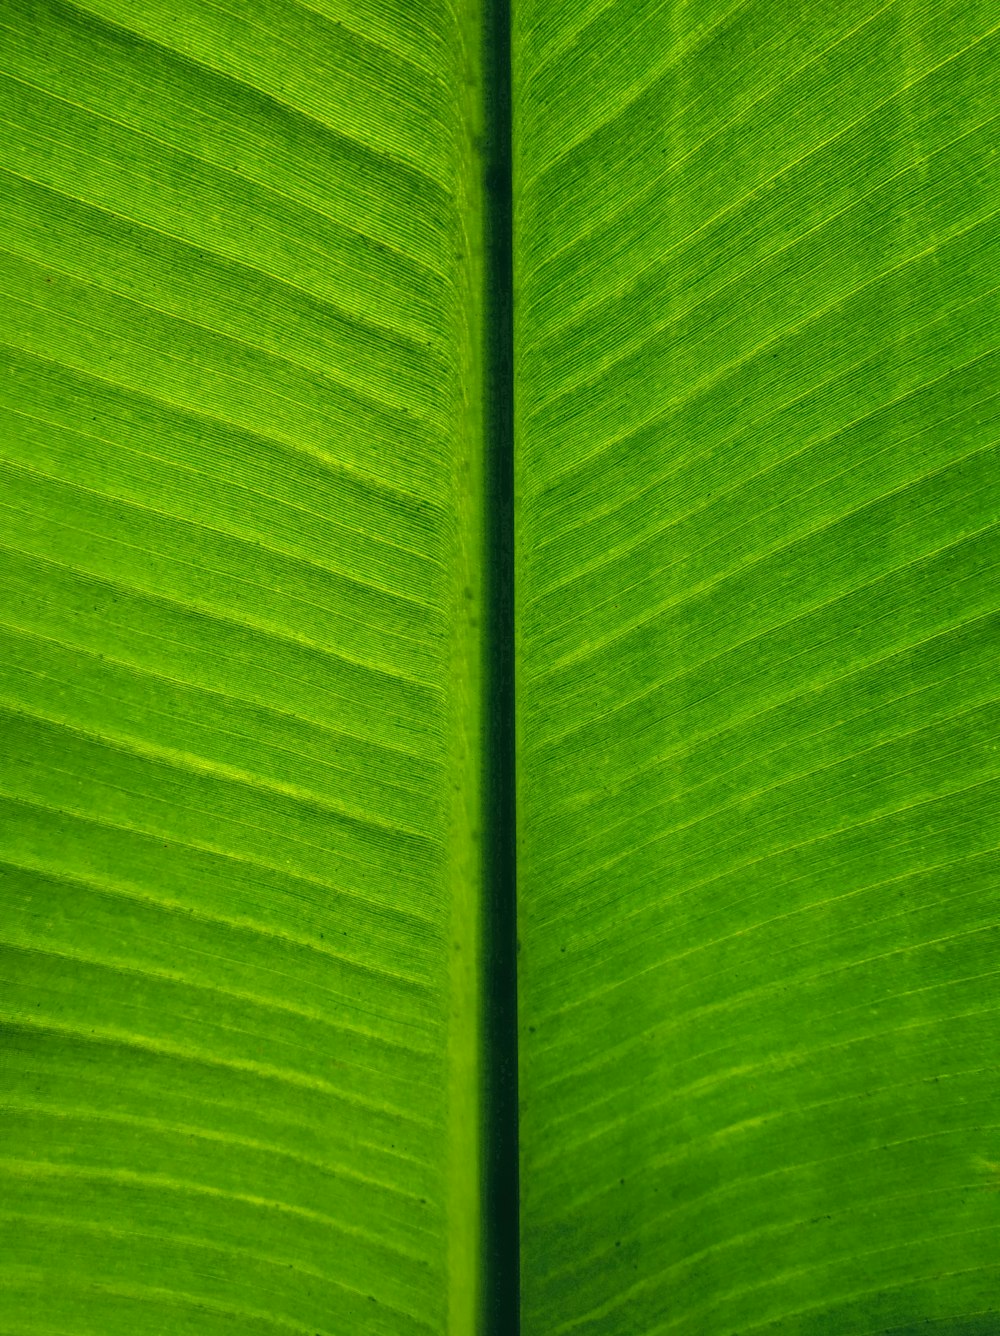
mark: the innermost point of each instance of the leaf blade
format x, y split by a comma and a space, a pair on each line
239, 669
756, 454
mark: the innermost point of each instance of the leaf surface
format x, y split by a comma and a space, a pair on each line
239, 686
245, 466
756, 372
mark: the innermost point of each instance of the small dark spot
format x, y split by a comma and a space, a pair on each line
618, 1243
467, 591
563, 950
622, 1181
531, 1029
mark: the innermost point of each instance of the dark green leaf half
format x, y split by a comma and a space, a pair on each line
756, 257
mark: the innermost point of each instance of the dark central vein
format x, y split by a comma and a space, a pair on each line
501, 1231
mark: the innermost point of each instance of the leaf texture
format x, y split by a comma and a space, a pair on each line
238, 538
757, 383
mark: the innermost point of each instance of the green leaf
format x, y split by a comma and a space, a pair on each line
240, 533
255, 539
756, 259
